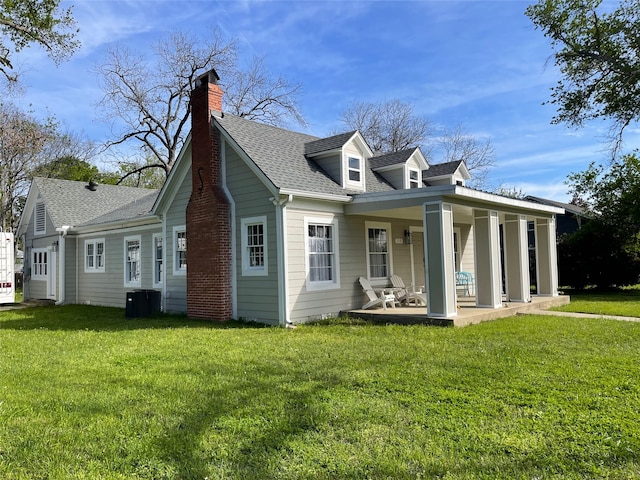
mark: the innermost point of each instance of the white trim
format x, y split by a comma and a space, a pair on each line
247, 269
178, 271
457, 246
330, 284
386, 226
232, 211
154, 259
136, 282
408, 179
95, 268
348, 169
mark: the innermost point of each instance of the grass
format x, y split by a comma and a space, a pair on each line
624, 302
86, 394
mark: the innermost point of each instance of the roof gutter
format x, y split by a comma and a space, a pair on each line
316, 196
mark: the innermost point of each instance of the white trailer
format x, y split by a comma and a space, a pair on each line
7, 264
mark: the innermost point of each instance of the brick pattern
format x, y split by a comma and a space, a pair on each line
208, 216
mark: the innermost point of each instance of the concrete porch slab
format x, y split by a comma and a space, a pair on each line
468, 313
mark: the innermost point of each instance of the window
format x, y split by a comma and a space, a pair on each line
94, 255
39, 265
414, 178
254, 246
378, 250
322, 253
132, 266
354, 170
40, 219
157, 260
180, 250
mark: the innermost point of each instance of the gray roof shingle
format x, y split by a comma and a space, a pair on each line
393, 158
280, 155
71, 203
438, 169
327, 144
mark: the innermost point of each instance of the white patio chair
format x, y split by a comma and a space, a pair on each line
375, 300
406, 295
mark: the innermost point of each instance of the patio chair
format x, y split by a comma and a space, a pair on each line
406, 295
464, 282
375, 300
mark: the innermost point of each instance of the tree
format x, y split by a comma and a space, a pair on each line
606, 251
388, 126
391, 126
22, 141
598, 54
24, 22
477, 153
150, 98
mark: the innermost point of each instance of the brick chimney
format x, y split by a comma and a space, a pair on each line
208, 217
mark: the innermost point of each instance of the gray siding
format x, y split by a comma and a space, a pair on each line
176, 287
332, 165
37, 289
395, 176
108, 288
257, 296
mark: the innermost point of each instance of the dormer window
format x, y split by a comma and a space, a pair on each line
354, 168
414, 178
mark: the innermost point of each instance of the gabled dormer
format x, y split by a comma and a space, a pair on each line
343, 158
448, 173
401, 169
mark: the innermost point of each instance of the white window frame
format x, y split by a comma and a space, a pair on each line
158, 261
127, 281
410, 181
40, 268
349, 169
94, 255
177, 269
247, 268
389, 263
457, 249
322, 284
39, 213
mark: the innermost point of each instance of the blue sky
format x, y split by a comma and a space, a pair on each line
476, 64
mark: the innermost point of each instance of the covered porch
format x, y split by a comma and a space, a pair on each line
453, 228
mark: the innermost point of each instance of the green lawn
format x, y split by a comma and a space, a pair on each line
624, 302
86, 394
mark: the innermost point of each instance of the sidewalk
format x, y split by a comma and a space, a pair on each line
580, 315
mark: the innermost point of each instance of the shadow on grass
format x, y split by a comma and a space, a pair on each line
102, 319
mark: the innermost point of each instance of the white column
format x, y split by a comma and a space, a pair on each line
546, 257
439, 264
516, 255
487, 259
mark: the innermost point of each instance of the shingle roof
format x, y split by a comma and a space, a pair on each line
327, 144
393, 158
569, 207
438, 169
71, 203
280, 155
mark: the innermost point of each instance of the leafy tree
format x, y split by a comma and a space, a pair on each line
25, 22
149, 97
605, 251
69, 167
598, 54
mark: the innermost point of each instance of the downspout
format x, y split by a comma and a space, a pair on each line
62, 231
284, 319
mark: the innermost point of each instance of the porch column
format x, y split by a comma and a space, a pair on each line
438, 253
487, 253
546, 257
517, 258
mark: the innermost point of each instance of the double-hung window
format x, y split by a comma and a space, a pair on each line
94, 255
322, 253
414, 178
157, 260
354, 170
39, 264
378, 250
132, 261
180, 250
254, 246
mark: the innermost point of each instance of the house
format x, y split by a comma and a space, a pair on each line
260, 223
